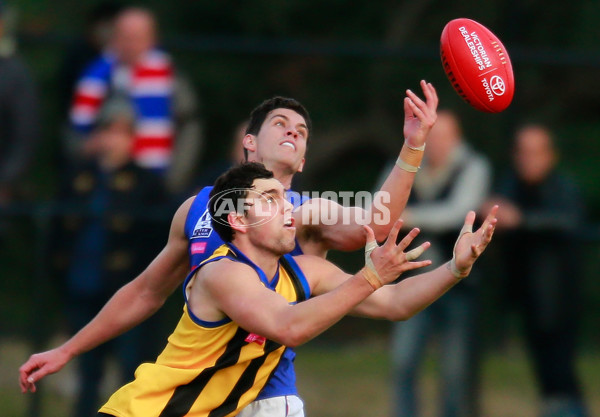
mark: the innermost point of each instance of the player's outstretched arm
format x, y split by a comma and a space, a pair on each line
231, 289
388, 204
419, 117
132, 304
411, 295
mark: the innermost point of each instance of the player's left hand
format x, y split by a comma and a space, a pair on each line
41, 364
419, 115
470, 245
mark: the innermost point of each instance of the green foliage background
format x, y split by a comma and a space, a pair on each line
350, 64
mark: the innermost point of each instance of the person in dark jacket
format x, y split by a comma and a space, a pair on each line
108, 233
19, 122
541, 214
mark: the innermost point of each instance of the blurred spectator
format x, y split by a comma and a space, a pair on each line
99, 23
107, 235
453, 179
541, 213
234, 154
19, 121
167, 130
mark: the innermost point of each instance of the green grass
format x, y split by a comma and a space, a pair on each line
354, 381
350, 380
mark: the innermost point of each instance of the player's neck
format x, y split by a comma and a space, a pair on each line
284, 176
282, 172
286, 180
264, 259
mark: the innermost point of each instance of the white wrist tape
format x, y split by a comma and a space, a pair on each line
406, 167
410, 157
369, 248
453, 268
420, 148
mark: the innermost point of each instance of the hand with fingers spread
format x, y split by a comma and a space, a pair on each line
470, 245
388, 261
419, 115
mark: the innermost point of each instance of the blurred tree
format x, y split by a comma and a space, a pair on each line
350, 64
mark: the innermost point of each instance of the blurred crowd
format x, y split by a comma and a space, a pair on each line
538, 263
131, 145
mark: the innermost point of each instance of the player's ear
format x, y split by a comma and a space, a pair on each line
249, 143
237, 222
301, 167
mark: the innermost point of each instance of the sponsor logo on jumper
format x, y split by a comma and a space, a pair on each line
254, 338
198, 247
203, 227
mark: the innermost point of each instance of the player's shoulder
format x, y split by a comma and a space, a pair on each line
184, 208
307, 262
180, 218
225, 267
197, 198
221, 274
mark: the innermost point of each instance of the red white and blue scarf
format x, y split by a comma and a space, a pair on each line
150, 89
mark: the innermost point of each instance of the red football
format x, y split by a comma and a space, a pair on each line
477, 65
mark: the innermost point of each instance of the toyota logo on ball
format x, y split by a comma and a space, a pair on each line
497, 85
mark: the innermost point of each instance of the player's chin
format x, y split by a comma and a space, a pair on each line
287, 245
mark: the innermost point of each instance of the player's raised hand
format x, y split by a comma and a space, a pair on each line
470, 245
39, 365
419, 115
390, 259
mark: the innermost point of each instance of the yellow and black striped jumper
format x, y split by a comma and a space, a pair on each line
210, 368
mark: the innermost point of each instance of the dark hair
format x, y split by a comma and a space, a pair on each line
239, 179
259, 114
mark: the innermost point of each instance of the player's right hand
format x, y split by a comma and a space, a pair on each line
390, 260
419, 115
39, 365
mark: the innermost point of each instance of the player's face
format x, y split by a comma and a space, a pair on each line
269, 216
281, 141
